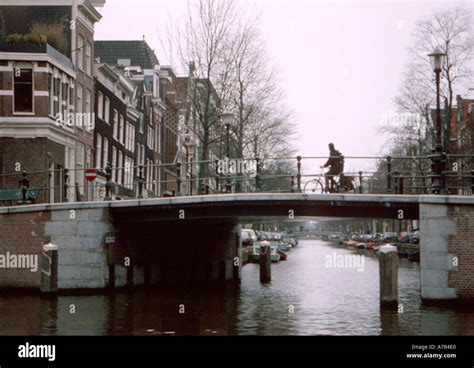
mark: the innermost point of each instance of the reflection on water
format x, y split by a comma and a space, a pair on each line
304, 298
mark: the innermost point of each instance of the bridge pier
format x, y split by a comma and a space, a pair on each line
199, 253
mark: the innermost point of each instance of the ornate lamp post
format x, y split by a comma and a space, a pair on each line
227, 119
438, 158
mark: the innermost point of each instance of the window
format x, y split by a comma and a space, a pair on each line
98, 151
158, 138
71, 99
66, 99
80, 167
130, 139
141, 128
107, 110
88, 101
151, 138
121, 130
119, 167
57, 95
88, 59
79, 99
80, 52
105, 152
23, 90
51, 94
100, 105
115, 125
114, 162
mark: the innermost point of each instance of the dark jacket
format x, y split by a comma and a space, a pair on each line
336, 162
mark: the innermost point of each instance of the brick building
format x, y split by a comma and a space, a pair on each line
156, 136
117, 121
462, 125
76, 18
36, 83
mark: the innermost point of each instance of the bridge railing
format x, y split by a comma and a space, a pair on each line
397, 175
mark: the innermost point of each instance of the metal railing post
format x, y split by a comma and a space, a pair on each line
140, 181
24, 184
396, 186
389, 174
400, 185
65, 185
108, 183
298, 175
178, 179
472, 182
217, 176
341, 186
258, 184
360, 182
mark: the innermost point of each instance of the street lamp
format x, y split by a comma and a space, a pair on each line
227, 119
438, 159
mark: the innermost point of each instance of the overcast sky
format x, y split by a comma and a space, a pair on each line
340, 61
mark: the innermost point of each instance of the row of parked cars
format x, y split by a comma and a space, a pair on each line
389, 237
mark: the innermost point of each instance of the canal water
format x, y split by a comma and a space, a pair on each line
311, 293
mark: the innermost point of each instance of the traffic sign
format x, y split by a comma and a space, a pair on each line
91, 175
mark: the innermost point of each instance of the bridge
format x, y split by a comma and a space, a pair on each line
196, 239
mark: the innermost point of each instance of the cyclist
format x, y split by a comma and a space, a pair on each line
336, 166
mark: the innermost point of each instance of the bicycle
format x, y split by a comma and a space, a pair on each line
318, 185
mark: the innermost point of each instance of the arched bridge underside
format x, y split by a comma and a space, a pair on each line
256, 206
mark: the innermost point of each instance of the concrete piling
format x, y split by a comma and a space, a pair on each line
388, 266
49, 269
265, 264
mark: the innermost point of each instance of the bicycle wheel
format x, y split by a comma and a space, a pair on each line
314, 186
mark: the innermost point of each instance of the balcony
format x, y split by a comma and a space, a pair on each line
33, 48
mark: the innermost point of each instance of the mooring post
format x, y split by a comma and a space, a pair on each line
388, 266
265, 264
49, 269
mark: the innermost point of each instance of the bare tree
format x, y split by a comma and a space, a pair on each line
231, 71
451, 32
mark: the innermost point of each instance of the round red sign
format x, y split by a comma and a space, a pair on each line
91, 175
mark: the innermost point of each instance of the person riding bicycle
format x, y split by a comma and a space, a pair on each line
335, 164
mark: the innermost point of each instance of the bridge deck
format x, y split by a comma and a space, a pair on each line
258, 204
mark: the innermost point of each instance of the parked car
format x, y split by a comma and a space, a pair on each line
248, 237
261, 235
405, 237
415, 238
390, 237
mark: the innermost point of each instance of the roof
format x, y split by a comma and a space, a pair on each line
139, 53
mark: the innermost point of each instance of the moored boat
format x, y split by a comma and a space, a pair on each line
254, 252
